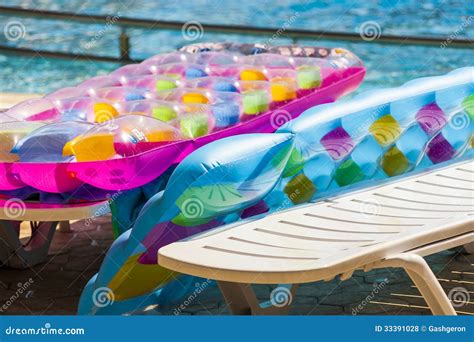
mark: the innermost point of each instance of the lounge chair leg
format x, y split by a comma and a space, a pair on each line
469, 248
241, 300
64, 227
425, 280
235, 297
15, 254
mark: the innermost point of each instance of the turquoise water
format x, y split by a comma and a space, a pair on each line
388, 65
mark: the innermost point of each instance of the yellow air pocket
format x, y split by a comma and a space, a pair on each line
135, 279
164, 135
252, 75
282, 89
104, 112
6, 144
91, 147
385, 130
394, 162
300, 189
194, 98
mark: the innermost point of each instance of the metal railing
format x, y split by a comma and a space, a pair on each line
126, 22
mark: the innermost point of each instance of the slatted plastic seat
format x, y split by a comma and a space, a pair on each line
393, 225
43, 218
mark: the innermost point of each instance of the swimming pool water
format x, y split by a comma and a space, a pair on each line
388, 65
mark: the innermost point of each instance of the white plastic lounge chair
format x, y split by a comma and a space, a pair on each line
43, 219
394, 225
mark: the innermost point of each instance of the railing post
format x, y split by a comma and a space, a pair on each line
124, 45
